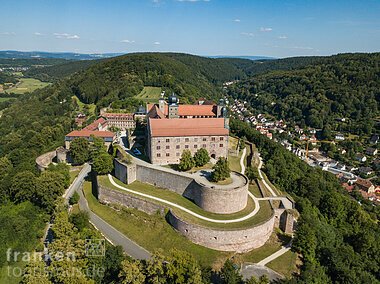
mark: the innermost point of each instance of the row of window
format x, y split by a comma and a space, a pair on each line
187, 146
167, 140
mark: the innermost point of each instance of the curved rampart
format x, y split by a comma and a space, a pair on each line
44, 160
218, 199
239, 240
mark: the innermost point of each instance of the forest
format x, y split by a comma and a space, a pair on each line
342, 86
338, 239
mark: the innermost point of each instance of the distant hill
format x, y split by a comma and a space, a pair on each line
315, 91
124, 76
60, 55
244, 57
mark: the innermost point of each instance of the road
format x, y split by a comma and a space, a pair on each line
263, 180
111, 234
76, 184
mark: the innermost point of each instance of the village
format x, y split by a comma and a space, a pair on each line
360, 175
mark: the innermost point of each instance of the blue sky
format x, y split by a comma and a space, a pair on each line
205, 27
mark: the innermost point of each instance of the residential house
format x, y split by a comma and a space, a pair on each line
367, 171
360, 158
371, 151
374, 139
365, 185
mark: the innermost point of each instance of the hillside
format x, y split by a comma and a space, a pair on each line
58, 71
123, 77
316, 94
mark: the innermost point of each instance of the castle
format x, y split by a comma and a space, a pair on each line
173, 128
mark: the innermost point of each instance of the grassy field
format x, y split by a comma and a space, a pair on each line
73, 175
6, 99
7, 271
27, 85
90, 107
264, 213
151, 231
276, 240
286, 264
149, 94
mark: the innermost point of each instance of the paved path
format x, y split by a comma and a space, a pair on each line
76, 184
172, 204
242, 160
278, 253
273, 192
111, 234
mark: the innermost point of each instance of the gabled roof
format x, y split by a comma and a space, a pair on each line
88, 133
187, 127
95, 124
183, 110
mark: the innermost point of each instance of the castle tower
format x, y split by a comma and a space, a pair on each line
173, 106
161, 102
219, 108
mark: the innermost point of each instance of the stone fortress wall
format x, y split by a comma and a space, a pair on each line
58, 155
239, 240
222, 201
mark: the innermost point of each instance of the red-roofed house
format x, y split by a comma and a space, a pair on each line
173, 128
107, 136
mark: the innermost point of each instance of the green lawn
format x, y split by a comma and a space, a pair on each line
276, 240
7, 271
2, 99
286, 264
27, 85
264, 213
73, 175
173, 197
149, 94
151, 231
82, 106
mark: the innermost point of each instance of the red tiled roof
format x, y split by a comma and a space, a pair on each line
186, 110
88, 133
94, 125
187, 127
114, 115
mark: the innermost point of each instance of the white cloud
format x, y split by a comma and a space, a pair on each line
247, 34
283, 37
38, 34
8, 33
302, 47
65, 36
157, 43
262, 29
237, 20
127, 41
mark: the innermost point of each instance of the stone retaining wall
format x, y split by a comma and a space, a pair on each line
110, 196
239, 240
221, 201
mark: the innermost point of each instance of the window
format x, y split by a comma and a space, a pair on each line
186, 146
168, 147
186, 139
195, 139
204, 146
177, 146
220, 145
195, 146
167, 154
212, 138
167, 140
177, 154
158, 155
178, 140
221, 138
158, 147
204, 139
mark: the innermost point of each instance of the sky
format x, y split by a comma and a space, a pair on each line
278, 28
